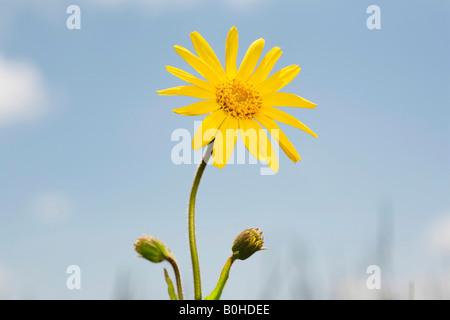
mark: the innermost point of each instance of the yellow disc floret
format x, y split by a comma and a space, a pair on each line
239, 99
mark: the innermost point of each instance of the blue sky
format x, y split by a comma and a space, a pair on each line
85, 150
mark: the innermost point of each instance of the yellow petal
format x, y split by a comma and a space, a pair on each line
183, 75
198, 108
208, 129
224, 141
190, 91
285, 99
198, 64
278, 80
206, 53
285, 118
279, 136
249, 136
266, 65
250, 59
257, 142
231, 50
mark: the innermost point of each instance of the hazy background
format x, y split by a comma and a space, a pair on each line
85, 151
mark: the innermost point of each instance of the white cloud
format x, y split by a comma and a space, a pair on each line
243, 3
355, 288
419, 286
22, 92
154, 5
439, 235
159, 6
424, 276
5, 281
50, 207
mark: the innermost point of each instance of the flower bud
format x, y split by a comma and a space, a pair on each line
152, 249
247, 243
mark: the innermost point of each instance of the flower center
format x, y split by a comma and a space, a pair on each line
238, 99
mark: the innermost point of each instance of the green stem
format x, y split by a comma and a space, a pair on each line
191, 223
217, 292
177, 277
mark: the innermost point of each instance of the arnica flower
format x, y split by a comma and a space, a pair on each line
239, 101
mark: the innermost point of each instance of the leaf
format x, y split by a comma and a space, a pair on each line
170, 287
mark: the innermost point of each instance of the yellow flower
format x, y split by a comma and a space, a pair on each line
239, 101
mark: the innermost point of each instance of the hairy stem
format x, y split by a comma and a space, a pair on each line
191, 223
177, 277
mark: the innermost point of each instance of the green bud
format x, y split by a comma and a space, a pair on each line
247, 243
152, 249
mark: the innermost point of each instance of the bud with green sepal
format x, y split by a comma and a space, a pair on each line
246, 244
154, 250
